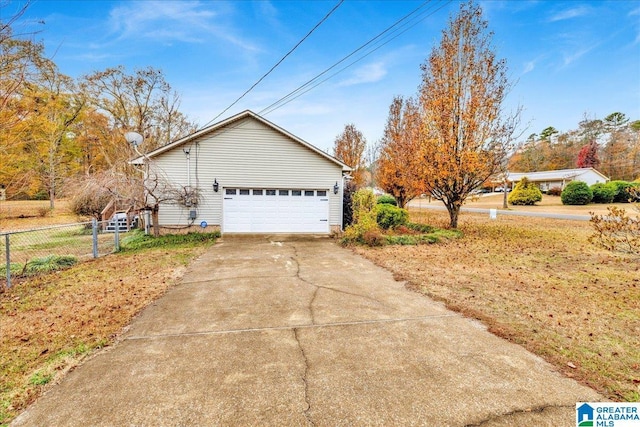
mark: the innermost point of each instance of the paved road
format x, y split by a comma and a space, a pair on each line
507, 212
298, 331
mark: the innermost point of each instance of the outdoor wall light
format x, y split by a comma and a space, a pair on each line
216, 186
336, 188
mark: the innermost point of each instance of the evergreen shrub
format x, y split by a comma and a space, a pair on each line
603, 193
525, 193
576, 193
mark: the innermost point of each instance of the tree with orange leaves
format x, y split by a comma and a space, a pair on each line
465, 138
397, 164
349, 148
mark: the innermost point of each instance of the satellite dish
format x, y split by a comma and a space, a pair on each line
133, 138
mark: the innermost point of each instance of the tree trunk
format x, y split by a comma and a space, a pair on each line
52, 181
156, 224
504, 197
454, 212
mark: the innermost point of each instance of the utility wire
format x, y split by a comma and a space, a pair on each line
313, 83
278, 63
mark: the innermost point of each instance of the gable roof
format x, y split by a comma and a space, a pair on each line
229, 122
554, 175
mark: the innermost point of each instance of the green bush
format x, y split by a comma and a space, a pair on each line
390, 216
525, 193
363, 203
576, 193
387, 199
622, 191
603, 193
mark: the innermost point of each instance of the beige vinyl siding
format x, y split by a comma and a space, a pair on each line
246, 154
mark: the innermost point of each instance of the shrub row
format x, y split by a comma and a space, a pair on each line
579, 193
374, 216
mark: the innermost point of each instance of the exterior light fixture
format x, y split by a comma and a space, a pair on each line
336, 188
216, 186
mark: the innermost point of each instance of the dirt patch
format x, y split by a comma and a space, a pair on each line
537, 282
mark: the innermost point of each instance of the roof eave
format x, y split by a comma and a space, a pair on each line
247, 113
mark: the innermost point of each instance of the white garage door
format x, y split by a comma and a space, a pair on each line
275, 211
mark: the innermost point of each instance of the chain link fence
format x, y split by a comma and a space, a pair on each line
29, 252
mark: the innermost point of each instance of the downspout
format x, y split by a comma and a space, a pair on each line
187, 151
342, 203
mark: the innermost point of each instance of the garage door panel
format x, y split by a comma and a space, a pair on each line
275, 211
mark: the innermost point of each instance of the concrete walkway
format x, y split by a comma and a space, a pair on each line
298, 331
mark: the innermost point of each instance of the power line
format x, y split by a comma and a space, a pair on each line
278, 63
313, 83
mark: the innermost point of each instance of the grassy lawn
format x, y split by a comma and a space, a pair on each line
549, 204
50, 323
539, 283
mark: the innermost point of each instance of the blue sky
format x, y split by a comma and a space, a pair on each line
566, 58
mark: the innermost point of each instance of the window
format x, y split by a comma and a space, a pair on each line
230, 191
257, 192
296, 192
271, 192
308, 192
244, 192
322, 193
283, 192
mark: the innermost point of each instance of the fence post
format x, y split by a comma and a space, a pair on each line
117, 236
147, 221
6, 244
94, 227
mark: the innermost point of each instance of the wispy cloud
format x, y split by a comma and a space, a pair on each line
569, 58
368, 73
635, 12
168, 22
571, 13
529, 66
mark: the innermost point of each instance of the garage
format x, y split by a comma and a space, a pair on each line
259, 210
246, 175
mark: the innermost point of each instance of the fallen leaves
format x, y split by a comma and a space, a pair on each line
529, 278
57, 319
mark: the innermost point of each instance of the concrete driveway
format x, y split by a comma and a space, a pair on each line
298, 331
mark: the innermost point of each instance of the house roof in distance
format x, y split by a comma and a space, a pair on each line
555, 175
229, 122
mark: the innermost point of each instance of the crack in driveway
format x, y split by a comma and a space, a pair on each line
538, 409
304, 378
294, 258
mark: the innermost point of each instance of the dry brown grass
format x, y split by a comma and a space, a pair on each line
25, 214
539, 283
50, 323
549, 204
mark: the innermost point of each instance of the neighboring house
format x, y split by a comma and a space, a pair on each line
252, 177
558, 178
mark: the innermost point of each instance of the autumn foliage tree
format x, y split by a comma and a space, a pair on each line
465, 137
397, 164
349, 148
588, 156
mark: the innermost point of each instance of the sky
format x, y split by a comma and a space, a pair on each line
567, 60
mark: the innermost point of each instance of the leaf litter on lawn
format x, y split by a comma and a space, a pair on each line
539, 283
50, 323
